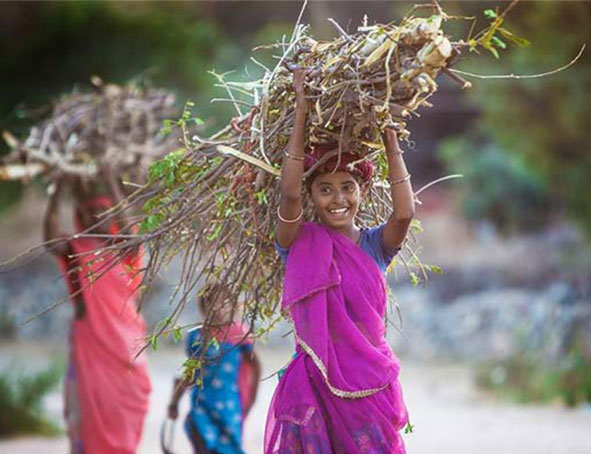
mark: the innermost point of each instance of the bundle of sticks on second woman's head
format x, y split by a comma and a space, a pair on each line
212, 203
111, 123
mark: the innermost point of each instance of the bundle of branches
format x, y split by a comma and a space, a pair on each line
215, 201
117, 124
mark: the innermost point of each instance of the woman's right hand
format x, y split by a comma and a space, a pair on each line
299, 77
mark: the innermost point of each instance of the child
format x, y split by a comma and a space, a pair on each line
340, 395
230, 377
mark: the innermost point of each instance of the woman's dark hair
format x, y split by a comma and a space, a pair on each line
310, 179
361, 169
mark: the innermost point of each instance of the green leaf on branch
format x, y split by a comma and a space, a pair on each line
261, 197
177, 335
154, 342
215, 344
434, 268
499, 43
408, 429
166, 166
513, 38
491, 14
166, 127
492, 50
416, 226
151, 222
151, 204
215, 233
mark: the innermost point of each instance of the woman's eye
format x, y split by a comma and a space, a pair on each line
325, 191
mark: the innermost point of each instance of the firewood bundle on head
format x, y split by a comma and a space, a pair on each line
215, 202
115, 124
359, 84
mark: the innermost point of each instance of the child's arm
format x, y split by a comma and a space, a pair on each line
292, 169
178, 390
256, 378
402, 195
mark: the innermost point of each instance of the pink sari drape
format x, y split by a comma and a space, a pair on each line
112, 386
341, 394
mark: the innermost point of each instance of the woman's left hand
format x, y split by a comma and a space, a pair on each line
391, 139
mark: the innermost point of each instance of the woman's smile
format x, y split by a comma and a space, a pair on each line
340, 212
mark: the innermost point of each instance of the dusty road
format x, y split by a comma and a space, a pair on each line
449, 414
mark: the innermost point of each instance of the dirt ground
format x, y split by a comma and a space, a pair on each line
449, 414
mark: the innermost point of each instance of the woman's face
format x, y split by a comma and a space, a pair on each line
336, 197
89, 206
89, 216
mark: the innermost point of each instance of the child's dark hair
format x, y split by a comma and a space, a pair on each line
209, 290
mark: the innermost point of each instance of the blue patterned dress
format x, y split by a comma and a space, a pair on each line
216, 410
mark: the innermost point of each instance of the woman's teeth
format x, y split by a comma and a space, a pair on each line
339, 211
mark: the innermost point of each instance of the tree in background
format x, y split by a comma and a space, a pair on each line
51, 47
545, 121
497, 185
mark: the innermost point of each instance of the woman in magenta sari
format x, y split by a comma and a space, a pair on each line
106, 388
340, 394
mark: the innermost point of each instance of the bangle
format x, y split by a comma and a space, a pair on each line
292, 156
289, 221
401, 180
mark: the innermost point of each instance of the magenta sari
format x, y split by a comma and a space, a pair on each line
341, 394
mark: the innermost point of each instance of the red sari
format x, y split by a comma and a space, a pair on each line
109, 385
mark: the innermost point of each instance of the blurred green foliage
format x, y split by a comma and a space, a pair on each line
545, 120
497, 185
55, 46
10, 192
525, 378
63, 43
21, 398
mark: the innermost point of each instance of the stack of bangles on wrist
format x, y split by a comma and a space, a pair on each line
294, 157
289, 221
401, 180
399, 152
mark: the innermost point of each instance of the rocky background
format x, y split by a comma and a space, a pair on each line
498, 296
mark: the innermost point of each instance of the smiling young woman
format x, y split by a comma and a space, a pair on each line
341, 393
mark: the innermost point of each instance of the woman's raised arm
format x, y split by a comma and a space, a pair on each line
403, 200
51, 224
290, 209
